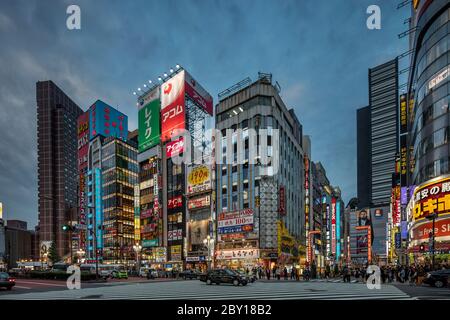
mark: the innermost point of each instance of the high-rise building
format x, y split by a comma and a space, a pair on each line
107, 179
363, 137
175, 197
17, 242
270, 196
427, 119
57, 117
383, 104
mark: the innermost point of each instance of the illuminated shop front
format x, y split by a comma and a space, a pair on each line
430, 205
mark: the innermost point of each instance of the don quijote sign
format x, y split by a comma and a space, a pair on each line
431, 198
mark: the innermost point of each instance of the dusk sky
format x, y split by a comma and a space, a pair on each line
318, 50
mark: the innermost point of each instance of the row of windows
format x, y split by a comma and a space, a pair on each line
435, 52
255, 101
434, 111
438, 138
435, 169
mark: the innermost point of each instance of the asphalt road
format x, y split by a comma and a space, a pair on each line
138, 288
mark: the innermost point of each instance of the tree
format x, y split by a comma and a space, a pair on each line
53, 253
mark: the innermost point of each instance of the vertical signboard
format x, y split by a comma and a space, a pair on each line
338, 230
282, 201
333, 225
172, 106
148, 116
403, 114
403, 160
83, 140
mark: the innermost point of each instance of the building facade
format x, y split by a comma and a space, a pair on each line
57, 116
363, 145
270, 198
428, 131
383, 104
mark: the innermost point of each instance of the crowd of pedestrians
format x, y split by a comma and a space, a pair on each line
413, 274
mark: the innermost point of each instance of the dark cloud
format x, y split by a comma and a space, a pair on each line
319, 52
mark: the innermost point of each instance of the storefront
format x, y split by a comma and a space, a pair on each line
238, 258
430, 205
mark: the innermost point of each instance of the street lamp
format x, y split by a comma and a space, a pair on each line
137, 248
432, 218
208, 242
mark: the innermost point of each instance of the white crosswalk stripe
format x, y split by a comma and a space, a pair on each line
197, 290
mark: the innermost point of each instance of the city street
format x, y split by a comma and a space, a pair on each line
179, 289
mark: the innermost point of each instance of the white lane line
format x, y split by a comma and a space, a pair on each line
43, 283
22, 287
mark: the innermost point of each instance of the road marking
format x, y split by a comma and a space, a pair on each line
22, 287
44, 283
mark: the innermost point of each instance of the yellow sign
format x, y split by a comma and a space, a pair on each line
1, 210
198, 175
432, 198
416, 4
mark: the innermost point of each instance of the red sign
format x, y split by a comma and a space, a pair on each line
198, 94
199, 202
175, 202
175, 147
172, 106
441, 229
83, 140
235, 214
282, 201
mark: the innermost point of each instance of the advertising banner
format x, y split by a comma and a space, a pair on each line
333, 225
175, 235
175, 202
198, 231
175, 253
403, 114
431, 198
199, 95
172, 105
148, 117
238, 254
107, 121
398, 240
403, 160
235, 222
282, 201
83, 140
441, 229
175, 148
235, 229
235, 214
199, 179
200, 202
149, 243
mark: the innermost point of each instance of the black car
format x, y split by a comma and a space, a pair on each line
438, 278
219, 276
189, 274
6, 281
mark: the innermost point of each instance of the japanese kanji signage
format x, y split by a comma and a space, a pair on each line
149, 130
238, 254
431, 198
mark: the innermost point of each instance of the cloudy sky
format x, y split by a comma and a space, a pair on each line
318, 50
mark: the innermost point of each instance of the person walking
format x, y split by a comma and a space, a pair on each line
277, 273
293, 273
274, 271
268, 273
285, 273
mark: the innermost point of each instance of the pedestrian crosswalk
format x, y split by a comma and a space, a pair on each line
196, 290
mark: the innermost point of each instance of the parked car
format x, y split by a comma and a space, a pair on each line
219, 276
438, 278
119, 274
6, 281
189, 274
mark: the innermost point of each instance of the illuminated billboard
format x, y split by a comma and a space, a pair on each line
333, 225
431, 198
198, 179
83, 140
199, 95
173, 115
148, 117
106, 121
